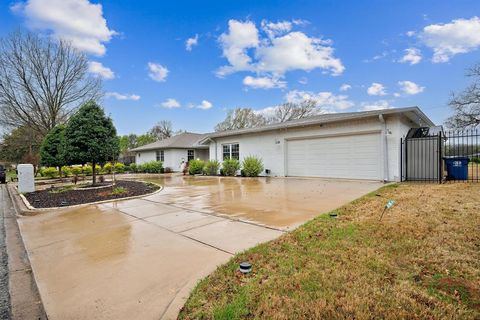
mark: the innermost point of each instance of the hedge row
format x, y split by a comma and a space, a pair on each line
250, 167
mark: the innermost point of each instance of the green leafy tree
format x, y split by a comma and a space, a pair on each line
21, 145
52, 150
90, 136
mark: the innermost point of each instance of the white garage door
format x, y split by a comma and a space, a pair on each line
353, 157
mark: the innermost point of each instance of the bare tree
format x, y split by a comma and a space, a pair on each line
241, 118
162, 130
42, 82
292, 111
466, 104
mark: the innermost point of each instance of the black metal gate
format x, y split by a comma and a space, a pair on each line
444, 156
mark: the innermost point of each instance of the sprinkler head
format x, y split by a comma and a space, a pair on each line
245, 267
333, 215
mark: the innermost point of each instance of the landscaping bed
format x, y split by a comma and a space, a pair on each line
73, 195
421, 261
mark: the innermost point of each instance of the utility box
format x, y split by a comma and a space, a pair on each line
26, 181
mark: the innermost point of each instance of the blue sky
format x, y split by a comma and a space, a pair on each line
260, 54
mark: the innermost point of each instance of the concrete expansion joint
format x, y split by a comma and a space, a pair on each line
178, 233
221, 216
22, 270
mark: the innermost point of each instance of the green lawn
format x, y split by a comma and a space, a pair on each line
421, 261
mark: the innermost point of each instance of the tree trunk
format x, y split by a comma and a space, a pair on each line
94, 174
60, 172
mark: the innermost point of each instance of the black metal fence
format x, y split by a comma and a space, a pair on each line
446, 156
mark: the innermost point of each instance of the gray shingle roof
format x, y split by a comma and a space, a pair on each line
180, 141
324, 118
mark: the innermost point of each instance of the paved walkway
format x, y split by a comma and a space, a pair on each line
133, 259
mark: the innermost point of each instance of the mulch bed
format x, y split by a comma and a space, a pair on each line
53, 198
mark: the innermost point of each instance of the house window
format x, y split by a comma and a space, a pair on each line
190, 155
231, 151
161, 155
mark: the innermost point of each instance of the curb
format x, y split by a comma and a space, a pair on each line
32, 209
39, 308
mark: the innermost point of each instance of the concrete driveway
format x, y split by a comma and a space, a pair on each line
278, 202
139, 259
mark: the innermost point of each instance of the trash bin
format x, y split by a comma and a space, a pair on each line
457, 168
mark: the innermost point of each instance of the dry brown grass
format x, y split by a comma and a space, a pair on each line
422, 261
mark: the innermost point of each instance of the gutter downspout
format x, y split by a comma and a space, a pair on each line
385, 147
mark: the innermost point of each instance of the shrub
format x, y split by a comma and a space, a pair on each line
108, 167
211, 167
133, 167
119, 167
230, 167
87, 170
119, 190
252, 166
475, 160
126, 168
168, 170
66, 171
196, 166
150, 167
76, 170
50, 172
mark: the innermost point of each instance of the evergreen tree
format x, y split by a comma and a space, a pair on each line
91, 137
52, 150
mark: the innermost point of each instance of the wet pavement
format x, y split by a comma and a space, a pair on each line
278, 202
140, 258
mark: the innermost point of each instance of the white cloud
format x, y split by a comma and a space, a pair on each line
345, 87
263, 82
450, 39
376, 89
100, 70
410, 88
267, 112
376, 105
240, 37
325, 100
191, 42
205, 105
281, 51
78, 21
412, 56
273, 29
410, 33
157, 72
170, 104
296, 51
120, 96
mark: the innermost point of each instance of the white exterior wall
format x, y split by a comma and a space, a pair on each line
399, 126
271, 145
173, 157
145, 156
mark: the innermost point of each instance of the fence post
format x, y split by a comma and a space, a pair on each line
440, 168
405, 141
401, 160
